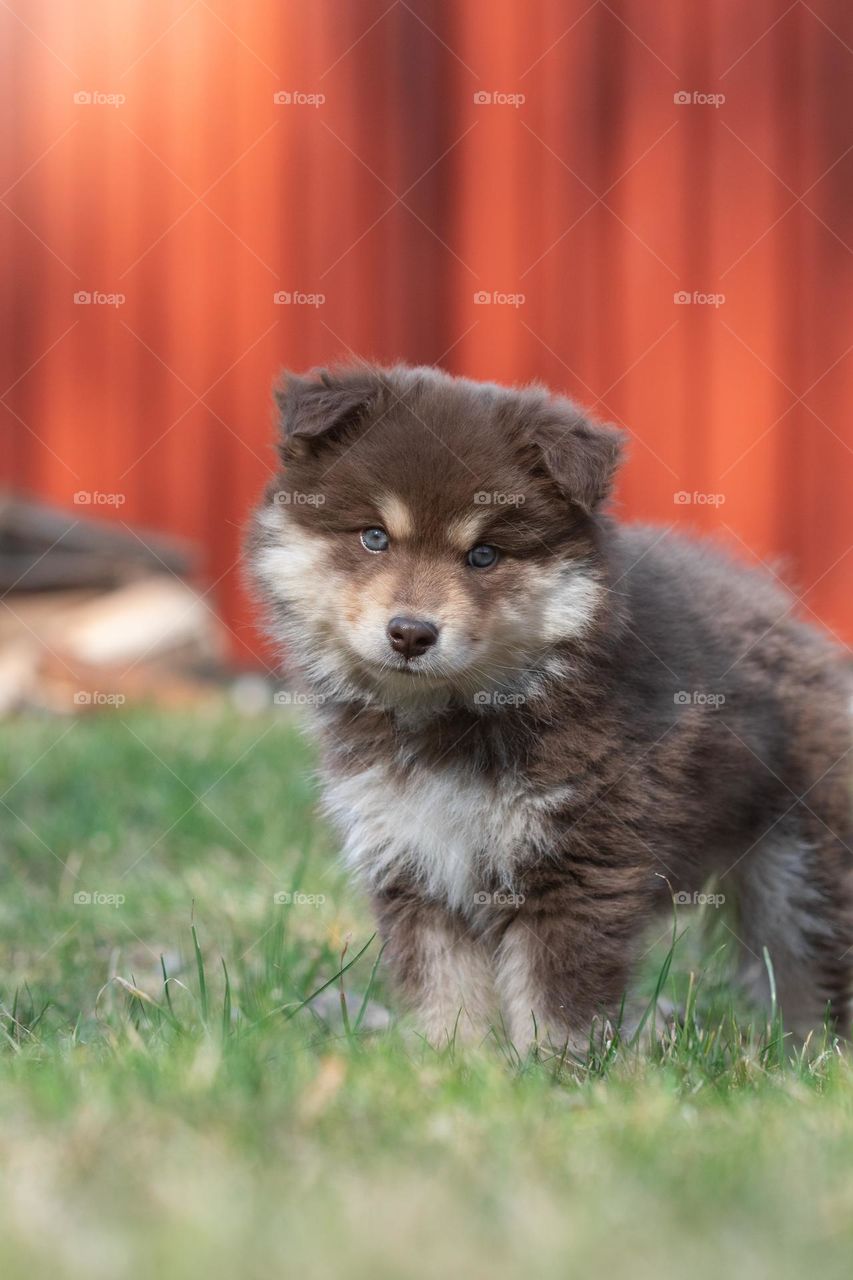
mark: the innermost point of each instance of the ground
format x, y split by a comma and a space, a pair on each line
216, 1126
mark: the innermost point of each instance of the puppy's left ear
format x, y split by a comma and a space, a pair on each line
582, 457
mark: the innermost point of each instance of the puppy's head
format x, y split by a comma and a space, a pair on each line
428, 536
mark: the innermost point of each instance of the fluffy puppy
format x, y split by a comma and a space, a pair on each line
538, 724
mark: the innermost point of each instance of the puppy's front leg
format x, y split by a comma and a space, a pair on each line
444, 974
564, 962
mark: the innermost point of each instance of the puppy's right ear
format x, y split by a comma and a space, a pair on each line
322, 404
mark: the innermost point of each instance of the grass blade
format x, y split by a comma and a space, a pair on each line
344, 1009
291, 1012
226, 1004
369, 990
166, 990
202, 985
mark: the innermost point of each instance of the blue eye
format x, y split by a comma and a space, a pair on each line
374, 539
483, 557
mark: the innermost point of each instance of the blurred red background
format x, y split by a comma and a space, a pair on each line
146, 156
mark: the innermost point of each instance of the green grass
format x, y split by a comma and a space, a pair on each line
216, 1126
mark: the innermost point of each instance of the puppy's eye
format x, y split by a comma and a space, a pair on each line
482, 557
374, 539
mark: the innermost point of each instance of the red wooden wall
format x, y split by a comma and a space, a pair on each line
399, 197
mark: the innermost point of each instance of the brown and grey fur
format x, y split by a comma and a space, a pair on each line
520, 799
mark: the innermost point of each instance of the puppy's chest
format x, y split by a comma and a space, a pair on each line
455, 833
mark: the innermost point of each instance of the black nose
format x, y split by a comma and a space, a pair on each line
411, 636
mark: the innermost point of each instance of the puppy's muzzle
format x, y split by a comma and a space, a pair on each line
411, 636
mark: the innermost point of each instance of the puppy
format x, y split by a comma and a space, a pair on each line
537, 724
